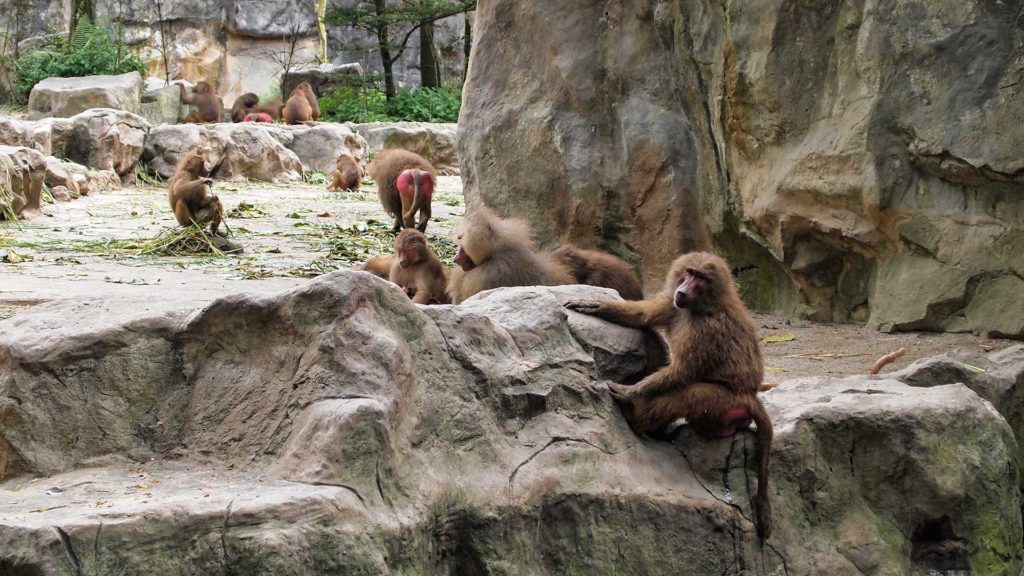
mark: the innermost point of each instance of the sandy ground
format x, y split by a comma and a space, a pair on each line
94, 246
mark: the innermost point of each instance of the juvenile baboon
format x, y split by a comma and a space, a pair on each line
386, 169
715, 367
207, 104
301, 106
379, 265
496, 252
243, 106
188, 191
417, 269
347, 173
597, 268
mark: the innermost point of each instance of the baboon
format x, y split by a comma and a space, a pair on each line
274, 109
302, 106
378, 265
188, 191
496, 252
243, 106
597, 268
207, 104
715, 367
257, 117
417, 269
347, 173
386, 169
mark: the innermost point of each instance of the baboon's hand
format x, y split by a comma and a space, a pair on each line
584, 306
620, 392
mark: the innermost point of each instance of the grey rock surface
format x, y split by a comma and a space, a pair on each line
434, 141
65, 97
22, 171
853, 164
338, 428
322, 77
268, 152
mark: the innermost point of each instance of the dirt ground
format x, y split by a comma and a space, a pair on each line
106, 244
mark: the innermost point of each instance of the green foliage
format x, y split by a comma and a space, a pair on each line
426, 105
371, 105
88, 52
354, 105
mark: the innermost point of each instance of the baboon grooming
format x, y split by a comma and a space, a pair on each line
188, 191
596, 268
715, 368
203, 98
496, 252
301, 106
347, 173
417, 269
243, 106
391, 166
379, 265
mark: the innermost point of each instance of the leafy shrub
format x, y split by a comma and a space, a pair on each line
354, 105
425, 105
88, 52
370, 105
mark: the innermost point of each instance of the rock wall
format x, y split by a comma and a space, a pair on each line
855, 161
339, 429
237, 46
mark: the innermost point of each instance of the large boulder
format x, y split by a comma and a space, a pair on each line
162, 105
103, 139
322, 77
268, 152
435, 142
338, 428
100, 139
22, 171
846, 172
64, 97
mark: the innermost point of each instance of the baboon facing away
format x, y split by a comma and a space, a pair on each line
302, 105
206, 102
385, 169
715, 368
597, 268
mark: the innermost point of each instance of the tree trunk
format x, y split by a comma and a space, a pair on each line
321, 26
467, 45
385, 49
430, 68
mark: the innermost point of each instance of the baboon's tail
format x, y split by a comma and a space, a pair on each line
762, 505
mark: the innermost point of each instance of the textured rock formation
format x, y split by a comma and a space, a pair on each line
322, 77
338, 428
269, 152
435, 142
21, 180
101, 139
854, 163
162, 104
65, 97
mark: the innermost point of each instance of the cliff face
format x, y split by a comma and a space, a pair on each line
237, 46
854, 160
